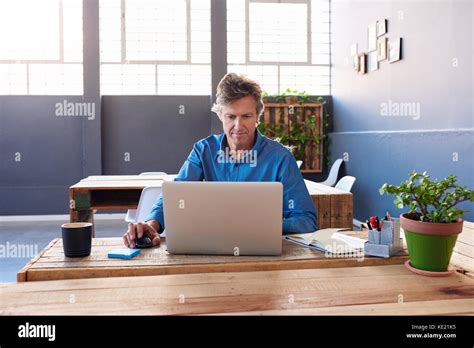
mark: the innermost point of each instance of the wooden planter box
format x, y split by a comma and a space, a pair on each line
290, 114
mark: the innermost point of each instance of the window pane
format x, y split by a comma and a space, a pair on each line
34, 32
184, 79
279, 38
156, 30
131, 79
13, 79
200, 31
236, 32
110, 31
311, 79
41, 47
55, 79
171, 41
280, 35
72, 30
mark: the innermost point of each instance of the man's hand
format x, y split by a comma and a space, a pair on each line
138, 229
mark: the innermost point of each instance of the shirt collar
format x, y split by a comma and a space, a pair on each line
257, 147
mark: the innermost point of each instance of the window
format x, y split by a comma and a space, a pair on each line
155, 47
282, 44
41, 47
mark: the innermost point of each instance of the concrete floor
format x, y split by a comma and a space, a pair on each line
36, 235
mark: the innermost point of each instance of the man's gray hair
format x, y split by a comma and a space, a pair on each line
234, 86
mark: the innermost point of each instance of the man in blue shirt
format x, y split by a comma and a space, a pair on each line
241, 153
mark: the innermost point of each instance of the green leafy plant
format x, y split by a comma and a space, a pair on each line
430, 200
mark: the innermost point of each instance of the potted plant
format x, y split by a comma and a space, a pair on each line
432, 223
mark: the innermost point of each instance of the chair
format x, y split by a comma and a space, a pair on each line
132, 213
148, 197
345, 184
333, 173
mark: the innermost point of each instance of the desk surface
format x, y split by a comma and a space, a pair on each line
381, 290
51, 264
128, 177
105, 182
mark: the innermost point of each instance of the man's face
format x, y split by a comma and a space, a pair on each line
239, 120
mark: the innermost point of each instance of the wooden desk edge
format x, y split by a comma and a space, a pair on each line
29, 274
22, 275
429, 307
106, 272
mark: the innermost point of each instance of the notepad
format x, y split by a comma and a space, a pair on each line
123, 253
328, 240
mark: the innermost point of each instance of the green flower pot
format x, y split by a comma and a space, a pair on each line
430, 245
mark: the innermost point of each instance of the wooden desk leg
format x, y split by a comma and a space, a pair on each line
80, 215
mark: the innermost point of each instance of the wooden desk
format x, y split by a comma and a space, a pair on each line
376, 290
333, 206
121, 192
51, 264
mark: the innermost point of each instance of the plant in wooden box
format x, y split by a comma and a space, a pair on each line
297, 121
432, 223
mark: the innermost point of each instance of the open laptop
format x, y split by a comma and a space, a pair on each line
223, 218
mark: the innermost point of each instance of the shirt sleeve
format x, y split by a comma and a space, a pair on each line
191, 170
299, 213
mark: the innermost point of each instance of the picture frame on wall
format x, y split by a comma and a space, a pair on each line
373, 62
394, 50
381, 27
362, 63
372, 37
382, 48
356, 63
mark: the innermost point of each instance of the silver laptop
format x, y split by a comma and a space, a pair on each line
223, 218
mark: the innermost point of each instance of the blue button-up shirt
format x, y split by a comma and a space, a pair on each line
267, 161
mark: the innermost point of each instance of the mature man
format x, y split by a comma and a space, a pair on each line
241, 153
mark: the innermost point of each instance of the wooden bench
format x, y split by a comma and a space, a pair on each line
51, 264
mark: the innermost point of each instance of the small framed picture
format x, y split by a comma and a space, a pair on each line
381, 27
394, 50
373, 61
382, 48
356, 63
372, 37
362, 63
353, 50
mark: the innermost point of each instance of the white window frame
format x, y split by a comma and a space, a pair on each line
308, 31
27, 62
123, 41
309, 42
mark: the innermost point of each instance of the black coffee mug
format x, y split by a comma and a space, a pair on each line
77, 239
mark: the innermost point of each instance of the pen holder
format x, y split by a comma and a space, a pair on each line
374, 237
386, 242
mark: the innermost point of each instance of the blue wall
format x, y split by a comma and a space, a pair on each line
436, 73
